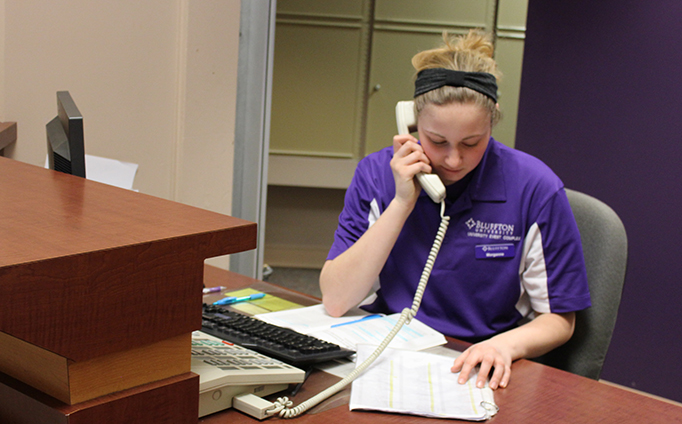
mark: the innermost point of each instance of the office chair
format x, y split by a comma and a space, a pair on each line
605, 250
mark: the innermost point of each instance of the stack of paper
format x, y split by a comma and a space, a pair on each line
420, 384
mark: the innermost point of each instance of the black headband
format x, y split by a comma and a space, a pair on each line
432, 78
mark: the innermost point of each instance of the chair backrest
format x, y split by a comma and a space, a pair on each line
605, 250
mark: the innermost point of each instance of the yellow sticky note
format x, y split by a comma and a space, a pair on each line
269, 303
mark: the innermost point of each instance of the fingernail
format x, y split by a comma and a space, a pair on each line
479, 384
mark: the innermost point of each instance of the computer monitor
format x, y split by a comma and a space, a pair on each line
65, 141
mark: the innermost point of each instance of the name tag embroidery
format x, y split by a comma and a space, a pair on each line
492, 251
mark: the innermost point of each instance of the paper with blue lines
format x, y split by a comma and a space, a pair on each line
413, 336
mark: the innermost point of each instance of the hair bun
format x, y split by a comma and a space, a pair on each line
475, 42
471, 52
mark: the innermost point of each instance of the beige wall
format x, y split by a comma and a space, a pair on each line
155, 81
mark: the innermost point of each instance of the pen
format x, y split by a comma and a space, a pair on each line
208, 290
230, 300
368, 317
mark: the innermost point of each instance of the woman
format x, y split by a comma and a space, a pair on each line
510, 273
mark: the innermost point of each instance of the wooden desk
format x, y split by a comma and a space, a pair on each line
100, 290
536, 394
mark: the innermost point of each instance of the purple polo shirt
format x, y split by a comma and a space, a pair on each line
512, 246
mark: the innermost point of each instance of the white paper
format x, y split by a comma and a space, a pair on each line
108, 171
418, 383
308, 319
354, 328
413, 336
338, 367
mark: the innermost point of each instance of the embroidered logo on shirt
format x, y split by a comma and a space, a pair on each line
491, 230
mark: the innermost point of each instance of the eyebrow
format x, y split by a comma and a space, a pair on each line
443, 137
433, 133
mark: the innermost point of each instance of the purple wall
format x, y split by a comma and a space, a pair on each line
601, 103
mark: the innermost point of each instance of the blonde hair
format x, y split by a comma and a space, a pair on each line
472, 52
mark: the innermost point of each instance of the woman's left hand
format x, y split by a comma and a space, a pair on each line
537, 337
490, 356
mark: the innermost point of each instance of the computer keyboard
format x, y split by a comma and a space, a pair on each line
278, 342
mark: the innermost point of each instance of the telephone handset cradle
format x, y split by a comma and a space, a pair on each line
407, 123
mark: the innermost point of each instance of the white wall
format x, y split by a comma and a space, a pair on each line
155, 81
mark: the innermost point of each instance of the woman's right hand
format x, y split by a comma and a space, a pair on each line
408, 160
347, 279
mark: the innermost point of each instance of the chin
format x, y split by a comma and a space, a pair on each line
451, 177
449, 180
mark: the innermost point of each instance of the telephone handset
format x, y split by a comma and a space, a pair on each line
407, 123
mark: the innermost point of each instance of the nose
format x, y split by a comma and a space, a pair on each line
453, 159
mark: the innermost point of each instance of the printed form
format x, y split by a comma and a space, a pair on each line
373, 329
418, 383
355, 328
